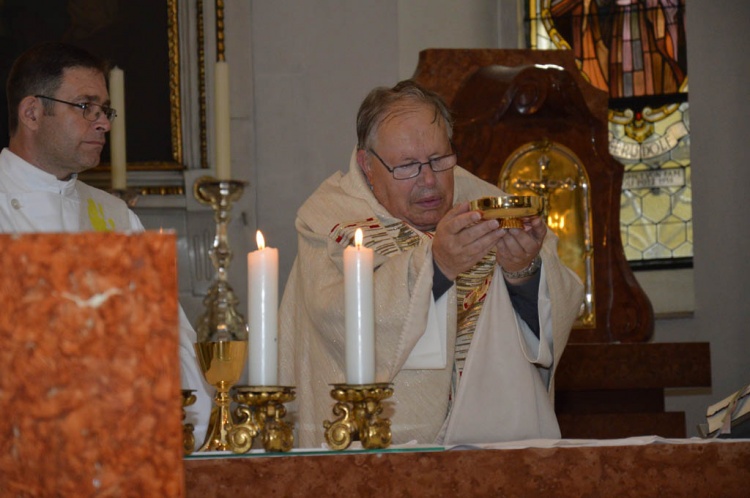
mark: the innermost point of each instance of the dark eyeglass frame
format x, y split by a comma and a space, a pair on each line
431, 163
87, 109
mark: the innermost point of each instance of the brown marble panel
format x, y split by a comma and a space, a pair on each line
621, 425
89, 371
634, 366
606, 401
701, 469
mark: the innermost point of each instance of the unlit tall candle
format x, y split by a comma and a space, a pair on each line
262, 305
222, 121
118, 156
359, 309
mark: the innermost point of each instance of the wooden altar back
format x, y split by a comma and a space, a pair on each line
506, 101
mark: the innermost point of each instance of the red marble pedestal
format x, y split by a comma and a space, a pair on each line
89, 373
710, 469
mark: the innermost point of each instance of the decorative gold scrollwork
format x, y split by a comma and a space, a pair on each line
188, 438
358, 409
244, 431
260, 412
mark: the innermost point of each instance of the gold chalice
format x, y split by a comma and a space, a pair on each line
221, 363
509, 209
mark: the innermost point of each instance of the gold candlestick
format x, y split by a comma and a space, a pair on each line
221, 364
358, 409
260, 413
221, 320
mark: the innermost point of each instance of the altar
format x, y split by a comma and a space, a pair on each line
646, 466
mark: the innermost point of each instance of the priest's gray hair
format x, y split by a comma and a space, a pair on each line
381, 100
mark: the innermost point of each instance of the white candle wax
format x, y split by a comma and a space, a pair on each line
117, 133
262, 305
222, 118
359, 310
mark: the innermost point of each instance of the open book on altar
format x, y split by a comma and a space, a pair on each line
729, 417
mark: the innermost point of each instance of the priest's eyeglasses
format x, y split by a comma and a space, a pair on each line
412, 170
91, 111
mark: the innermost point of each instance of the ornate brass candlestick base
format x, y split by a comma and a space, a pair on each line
188, 439
260, 412
221, 364
358, 408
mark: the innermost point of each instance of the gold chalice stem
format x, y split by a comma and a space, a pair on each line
220, 421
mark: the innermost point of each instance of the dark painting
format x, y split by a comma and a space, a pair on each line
130, 34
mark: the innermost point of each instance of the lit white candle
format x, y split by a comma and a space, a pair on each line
359, 309
262, 305
117, 133
222, 118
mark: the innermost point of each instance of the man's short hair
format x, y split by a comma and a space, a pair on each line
39, 71
381, 100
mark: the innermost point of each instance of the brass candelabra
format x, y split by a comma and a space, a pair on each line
358, 408
260, 413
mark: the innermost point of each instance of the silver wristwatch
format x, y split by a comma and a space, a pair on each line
530, 270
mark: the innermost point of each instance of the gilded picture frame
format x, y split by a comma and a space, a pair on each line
141, 37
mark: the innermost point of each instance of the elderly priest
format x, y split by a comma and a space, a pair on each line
470, 319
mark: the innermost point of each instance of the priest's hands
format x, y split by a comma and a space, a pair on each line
518, 247
462, 239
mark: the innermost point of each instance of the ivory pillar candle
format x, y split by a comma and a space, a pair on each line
262, 305
118, 157
222, 121
359, 310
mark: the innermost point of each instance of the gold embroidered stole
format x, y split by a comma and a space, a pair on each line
383, 239
471, 290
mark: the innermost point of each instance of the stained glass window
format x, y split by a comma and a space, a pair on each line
635, 50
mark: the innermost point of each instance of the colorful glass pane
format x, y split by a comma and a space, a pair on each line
635, 50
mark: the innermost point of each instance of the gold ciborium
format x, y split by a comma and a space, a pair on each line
221, 363
358, 408
509, 209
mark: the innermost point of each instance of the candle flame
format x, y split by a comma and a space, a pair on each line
260, 240
358, 238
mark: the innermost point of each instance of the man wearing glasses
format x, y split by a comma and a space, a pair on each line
470, 319
59, 115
